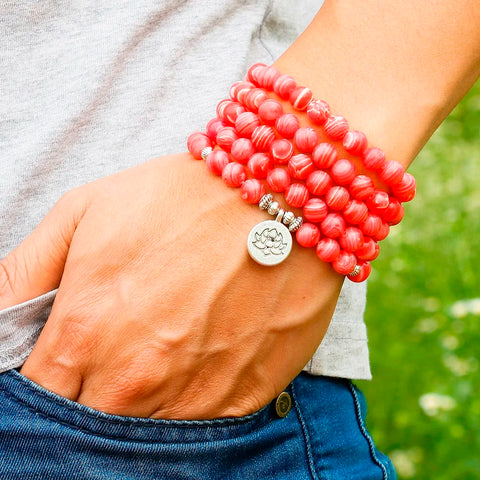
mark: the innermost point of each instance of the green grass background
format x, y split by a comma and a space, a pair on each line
423, 313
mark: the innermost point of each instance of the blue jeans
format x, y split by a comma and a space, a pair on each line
43, 436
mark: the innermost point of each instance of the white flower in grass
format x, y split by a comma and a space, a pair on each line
433, 403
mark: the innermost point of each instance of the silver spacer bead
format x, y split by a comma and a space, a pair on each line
274, 208
296, 224
265, 201
280, 215
205, 152
356, 271
288, 218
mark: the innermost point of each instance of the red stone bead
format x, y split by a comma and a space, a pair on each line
406, 189
267, 76
221, 105
242, 149
343, 172
315, 210
262, 137
234, 174
365, 270
371, 225
296, 195
327, 249
305, 139
374, 159
352, 239
269, 111
355, 212
196, 142
337, 197
300, 166
391, 173
382, 232
253, 71
336, 127
319, 182
333, 225
260, 164
232, 111
278, 179
324, 155
369, 250
213, 126
318, 111
284, 85
252, 190
355, 142
240, 88
281, 150
216, 161
344, 263
225, 137
300, 97
362, 187
287, 125
378, 202
254, 98
308, 235
394, 212
246, 123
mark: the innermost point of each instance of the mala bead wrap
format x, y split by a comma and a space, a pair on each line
253, 71
305, 139
213, 126
216, 161
406, 189
352, 239
269, 111
371, 225
315, 210
254, 98
262, 137
344, 263
365, 270
238, 89
362, 187
232, 111
225, 138
319, 182
336, 127
333, 225
284, 85
234, 174
394, 212
259, 165
369, 250
281, 150
242, 149
327, 249
378, 202
324, 155
308, 235
252, 190
318, 111
355, 142
267, 76
300, 166
296, 195
337, 197
343, 172
221, 105
246, 123
374, 159
278, 179
391, 173
355, 212
287, 125
300, 97
382, 233
196, 142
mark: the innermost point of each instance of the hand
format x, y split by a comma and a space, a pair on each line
160, 311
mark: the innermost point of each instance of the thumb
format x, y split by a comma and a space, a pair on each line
36, 266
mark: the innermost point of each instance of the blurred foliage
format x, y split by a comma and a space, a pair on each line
423, 313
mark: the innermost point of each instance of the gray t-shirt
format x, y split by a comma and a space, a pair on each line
90, 88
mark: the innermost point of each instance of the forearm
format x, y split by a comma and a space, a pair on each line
393, 69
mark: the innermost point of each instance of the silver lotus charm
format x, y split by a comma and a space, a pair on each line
269, 242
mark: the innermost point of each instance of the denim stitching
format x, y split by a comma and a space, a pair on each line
311, 464
365, 432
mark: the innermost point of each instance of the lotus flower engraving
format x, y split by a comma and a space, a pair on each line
270, 241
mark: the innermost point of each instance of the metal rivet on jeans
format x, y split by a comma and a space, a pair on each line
283, 404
